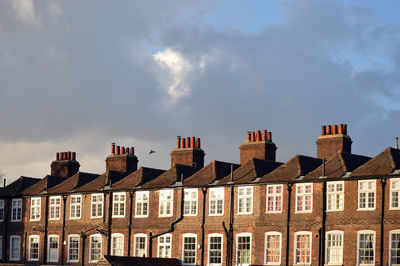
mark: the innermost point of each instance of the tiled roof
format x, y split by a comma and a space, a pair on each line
384, 163
43, 185
214, 171
101, 181
19, 185
73, 182
137, 178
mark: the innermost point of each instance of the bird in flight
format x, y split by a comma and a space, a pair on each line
151, 151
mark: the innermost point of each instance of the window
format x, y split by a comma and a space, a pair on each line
97, 205
16, 212
216, 201
189, 249
334, 247
190, 202
164, 246
142, 204
73, 248
140, 245
215, 249
395, 193
33, 247
1, 210
95, 248
335, 196
243, 249
119, 205
394, 253
302, 248
245, 200
366, 248
304, 193
55, 207
117, 244
166, 197
35, 209
274, 198
52, 253
75, 207
366, 194
273, 248
15, 248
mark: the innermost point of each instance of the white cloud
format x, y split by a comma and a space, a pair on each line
25, 11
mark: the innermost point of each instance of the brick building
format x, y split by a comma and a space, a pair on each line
336, 209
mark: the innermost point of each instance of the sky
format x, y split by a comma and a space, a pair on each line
79, 75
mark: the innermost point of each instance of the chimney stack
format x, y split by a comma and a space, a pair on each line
333, 139
122, 160
188, 152
258, 145
65, 164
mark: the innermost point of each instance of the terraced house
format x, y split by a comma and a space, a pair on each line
336, 209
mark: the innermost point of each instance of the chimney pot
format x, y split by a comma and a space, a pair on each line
113, 148
193, 143
57, 156
258, 136
62, 156
187, 142
340, 129
328, 129
335, 129
69, 155
178, 142
269, 136
345, 129
253, 136
5, 182
264, 135
132, 150
183, 145
397, 143
74, 156
248, 136
118, 150
122, 150
198, 146
323, 130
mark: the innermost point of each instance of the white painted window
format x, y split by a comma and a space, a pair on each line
243, 249
35, 209
97, 205
75, 207
95, 248
334, 247
366, 247
335, 196
366, 194
395, 193
52, 248
189, 249
273, 248
215, 245
55, 207
274, 198
33, 252
302, 247
16, 210
304, 197
140, 244
15, 248
191, 202
73, 248
245, 200
164, 246
117, 244
216, 206
166, 203
119, 204
142, 204
1, 210
394, 248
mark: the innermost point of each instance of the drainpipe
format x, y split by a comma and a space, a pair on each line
323, 226
7, 217
46, 222
229, 233
383, 185
25, 236
64, 197
203, 222
289, 187
83, 237
131, 193
110, 202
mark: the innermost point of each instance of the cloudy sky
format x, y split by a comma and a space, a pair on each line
78, 75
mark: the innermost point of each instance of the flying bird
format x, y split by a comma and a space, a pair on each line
151, 151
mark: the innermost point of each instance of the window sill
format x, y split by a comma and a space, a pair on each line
334, 211
244, 213
141, 216
362, 211
300, 212
118, 216
216, 214
273, 212
164, 216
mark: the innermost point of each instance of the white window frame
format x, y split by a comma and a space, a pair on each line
237, 248
16, 206
295, 247
275, 196
222, 249
213, 201
142, 200
54, 207
91, 250
75, 205
164, 245
163, 200
49, 259
304, 196
31, 238
16, 237
187, 235
367, 191
119, 204
336, 195
334, 232
1, 210
94, 205
272, 233
244, 198
35, 209
135, 253
394, 190
397, 232
69, 247
112, 243
191, 202
358, 245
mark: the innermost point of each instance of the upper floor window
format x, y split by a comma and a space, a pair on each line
55, 207
16, 212
215, 245
243, 249
335, 196
35, 209
273, 248
117, 244
52, 252
366, 247
73, 248
190, 202
33, 248
274, 198
119, 204
97, 205
304, 197
75, 207
1, 210
189, 249
216, 206
166, 202
142, 204
395, 193
334, 247
366, 194
164, 246
245, 200
140, 245
95, 248
15, 248
302, 248
394, 248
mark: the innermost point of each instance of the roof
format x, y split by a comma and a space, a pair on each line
122, 261
102, 181
384, 163
137, 178
73, 182
19, 185
214, 171
43, 185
